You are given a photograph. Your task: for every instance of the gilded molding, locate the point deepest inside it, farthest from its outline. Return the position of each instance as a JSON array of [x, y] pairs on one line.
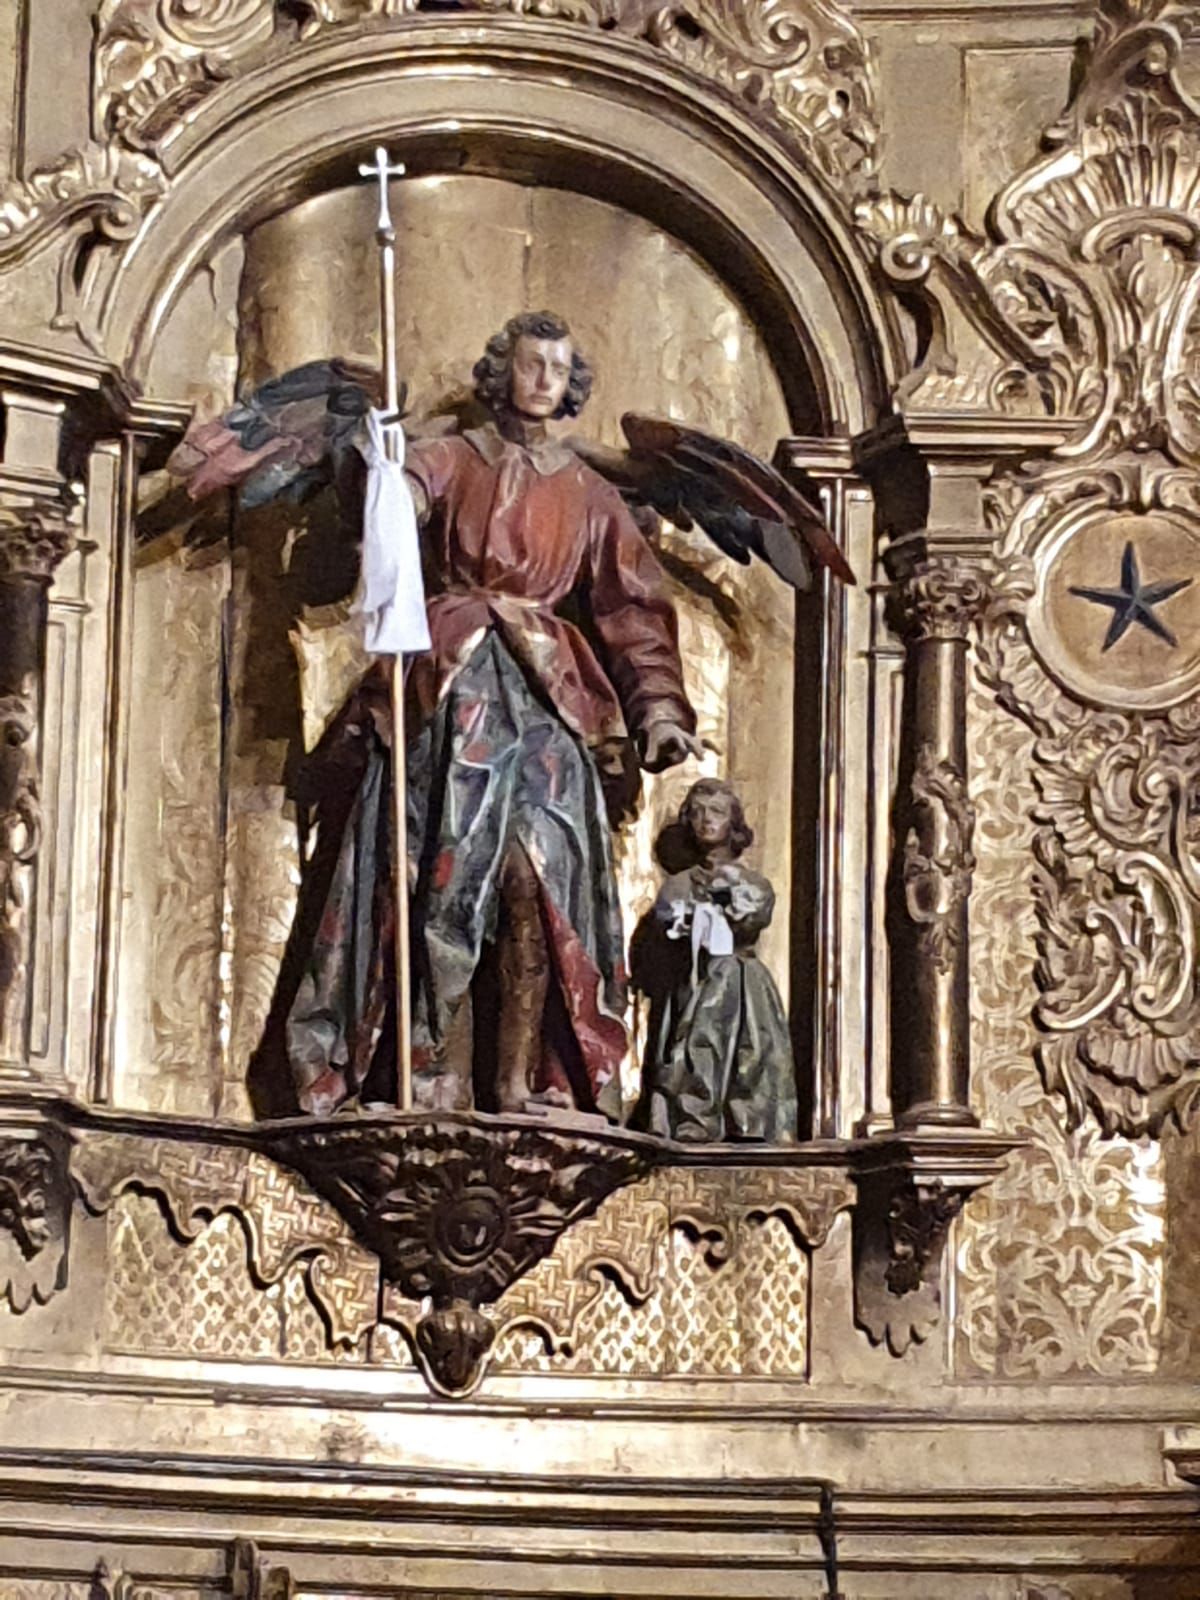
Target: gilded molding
[[253, 1576]]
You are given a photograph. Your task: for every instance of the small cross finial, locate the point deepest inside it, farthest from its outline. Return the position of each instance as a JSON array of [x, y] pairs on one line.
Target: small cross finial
[[381, 169]]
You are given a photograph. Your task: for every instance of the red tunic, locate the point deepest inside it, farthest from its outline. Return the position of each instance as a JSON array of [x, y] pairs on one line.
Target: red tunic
[[512, 537]]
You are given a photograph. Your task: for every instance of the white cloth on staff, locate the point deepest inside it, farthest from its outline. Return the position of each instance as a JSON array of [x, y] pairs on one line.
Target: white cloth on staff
[[392, 596]]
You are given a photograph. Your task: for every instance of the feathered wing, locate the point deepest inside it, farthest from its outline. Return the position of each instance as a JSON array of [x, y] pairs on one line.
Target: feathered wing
[[285, 440], [745, 507], [293, 435]]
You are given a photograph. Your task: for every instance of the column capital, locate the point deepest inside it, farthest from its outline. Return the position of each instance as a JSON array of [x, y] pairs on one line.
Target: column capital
[[936, 597], [36, 533]]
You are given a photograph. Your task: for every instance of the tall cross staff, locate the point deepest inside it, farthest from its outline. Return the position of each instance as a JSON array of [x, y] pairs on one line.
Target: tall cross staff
[[381, 170]]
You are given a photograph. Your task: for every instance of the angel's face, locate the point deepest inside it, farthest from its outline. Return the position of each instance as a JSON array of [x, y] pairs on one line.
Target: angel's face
[[541, 371]]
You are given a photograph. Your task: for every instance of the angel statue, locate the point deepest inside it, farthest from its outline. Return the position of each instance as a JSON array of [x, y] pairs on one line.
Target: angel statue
[[552, 673], [719, 1059]]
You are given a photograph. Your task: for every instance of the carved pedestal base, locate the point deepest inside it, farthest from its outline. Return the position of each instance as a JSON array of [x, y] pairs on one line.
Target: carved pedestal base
[[910, 1189], [458, 1208]]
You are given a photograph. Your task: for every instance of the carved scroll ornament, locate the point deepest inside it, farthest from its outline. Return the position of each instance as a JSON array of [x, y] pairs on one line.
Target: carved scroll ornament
[[101, 186], [457, 1210], [910, 1190], [938, 861], [20, 829], [1093, 640], [802, 62], [1116, 872], [1088, 273]]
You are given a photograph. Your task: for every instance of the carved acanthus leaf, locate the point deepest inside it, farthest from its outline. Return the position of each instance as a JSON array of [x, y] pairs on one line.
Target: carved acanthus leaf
[[909, 1194], [34, 1214], [938, 860], [803, 60], [1116, 870], [20, 838], [156, 58], [34, 538], [938, 598], [803, 63], [1085, 286]]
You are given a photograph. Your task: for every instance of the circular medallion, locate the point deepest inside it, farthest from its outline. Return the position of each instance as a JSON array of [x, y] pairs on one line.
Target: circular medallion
[[1116, 617], [470, 1227]]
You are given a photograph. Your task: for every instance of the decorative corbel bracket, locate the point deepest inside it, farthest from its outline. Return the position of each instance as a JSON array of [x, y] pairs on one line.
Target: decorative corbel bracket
[[253, 1577], [910, 1189], [457, 1208], [35, 1209]]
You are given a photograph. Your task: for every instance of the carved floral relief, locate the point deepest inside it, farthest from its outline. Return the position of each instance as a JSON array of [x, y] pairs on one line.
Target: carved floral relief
[[1060, 1262], [1084, 290], [803, 63]]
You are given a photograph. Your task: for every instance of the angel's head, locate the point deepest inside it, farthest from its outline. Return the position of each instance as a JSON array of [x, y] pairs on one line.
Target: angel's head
[[533, 368], [712, 815]]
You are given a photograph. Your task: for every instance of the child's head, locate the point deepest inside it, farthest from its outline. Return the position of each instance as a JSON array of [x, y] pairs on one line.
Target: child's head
[[712, 815]]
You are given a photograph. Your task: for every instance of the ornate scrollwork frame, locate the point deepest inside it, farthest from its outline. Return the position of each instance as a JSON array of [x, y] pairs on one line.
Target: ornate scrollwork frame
[[1087, 263], [1116, 871], [457, 1208], [802, 63], [1085, 293]]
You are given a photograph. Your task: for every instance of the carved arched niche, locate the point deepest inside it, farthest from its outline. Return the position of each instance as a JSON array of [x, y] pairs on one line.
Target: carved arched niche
[[741, 305], [212, 844], [701, 163]]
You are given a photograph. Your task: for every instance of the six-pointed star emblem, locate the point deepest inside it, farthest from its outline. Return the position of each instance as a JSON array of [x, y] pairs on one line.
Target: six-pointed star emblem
[[1133, 601]]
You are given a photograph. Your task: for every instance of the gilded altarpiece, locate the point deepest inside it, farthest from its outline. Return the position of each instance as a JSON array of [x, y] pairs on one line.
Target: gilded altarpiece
[[945, 1344]]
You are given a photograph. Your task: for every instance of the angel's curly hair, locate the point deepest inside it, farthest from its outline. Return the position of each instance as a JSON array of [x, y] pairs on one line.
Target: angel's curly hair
[[741, 834], [493, 370]]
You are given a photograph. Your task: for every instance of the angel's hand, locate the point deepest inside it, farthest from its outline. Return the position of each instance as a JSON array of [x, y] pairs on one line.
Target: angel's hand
[[666, 744]]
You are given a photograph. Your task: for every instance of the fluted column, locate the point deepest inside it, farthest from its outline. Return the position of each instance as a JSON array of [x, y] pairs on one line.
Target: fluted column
[[35, 534], [935, 601]]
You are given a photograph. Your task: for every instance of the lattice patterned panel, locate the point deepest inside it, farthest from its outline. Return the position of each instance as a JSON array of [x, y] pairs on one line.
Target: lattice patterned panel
[[200, 1299], [706, 1318], [43, 1589], [1061, 1260]]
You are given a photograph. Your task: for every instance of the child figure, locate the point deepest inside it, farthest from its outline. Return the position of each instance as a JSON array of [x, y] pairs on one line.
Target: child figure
[[719, 1060]]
